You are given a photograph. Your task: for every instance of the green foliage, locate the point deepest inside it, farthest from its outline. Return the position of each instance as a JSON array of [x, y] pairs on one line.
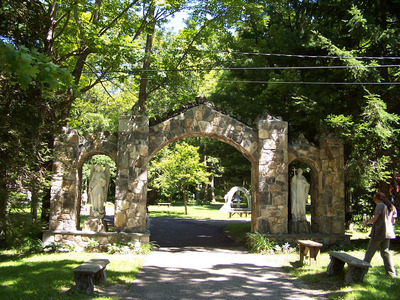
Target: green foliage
[[130, 248], [177, 170], [92, 245], [23, 234], [364, 116], [25, 67], [58, 247], [258, 243]]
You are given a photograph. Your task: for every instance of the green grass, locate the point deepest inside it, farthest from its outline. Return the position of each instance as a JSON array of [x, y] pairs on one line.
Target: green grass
[[50, 276], [194, 212], [376, 284], [238, 231]]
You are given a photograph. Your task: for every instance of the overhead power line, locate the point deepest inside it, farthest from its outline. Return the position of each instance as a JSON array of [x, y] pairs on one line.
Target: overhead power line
[[308, 82], [269, 68], [313, 56]]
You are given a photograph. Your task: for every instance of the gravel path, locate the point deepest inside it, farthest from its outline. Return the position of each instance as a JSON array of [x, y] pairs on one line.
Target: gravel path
[[209, 266]]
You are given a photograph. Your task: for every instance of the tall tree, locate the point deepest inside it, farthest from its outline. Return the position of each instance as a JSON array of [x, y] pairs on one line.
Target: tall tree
[[29, 84], [318, 62], [178, 171]]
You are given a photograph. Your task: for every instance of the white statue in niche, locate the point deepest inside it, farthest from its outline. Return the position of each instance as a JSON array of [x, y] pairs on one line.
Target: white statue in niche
[[98, 187], [299, 194]]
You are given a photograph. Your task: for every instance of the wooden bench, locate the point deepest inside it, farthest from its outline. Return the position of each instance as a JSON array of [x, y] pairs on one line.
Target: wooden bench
[[164, 204], [356, 270], [90, 273], [311, 249], [240, 212]]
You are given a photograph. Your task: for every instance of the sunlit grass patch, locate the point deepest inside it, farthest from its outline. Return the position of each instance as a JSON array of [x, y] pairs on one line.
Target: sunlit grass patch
[[210, 211], [49, 276]]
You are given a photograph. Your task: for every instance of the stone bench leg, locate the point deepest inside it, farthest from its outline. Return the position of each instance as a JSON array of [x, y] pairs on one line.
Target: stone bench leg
[[314, 255], [84, 282], [100, 277], [335, 266], [355, 274], [303, 252]]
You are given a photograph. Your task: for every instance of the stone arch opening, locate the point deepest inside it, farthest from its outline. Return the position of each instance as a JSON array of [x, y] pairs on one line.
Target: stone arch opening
[[311, 175], [224, 145], [83, 169]]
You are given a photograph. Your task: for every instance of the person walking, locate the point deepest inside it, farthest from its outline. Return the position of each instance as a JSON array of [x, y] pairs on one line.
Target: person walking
[[382, 232]]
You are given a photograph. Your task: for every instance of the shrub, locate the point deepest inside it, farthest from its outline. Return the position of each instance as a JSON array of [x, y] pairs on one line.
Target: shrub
[[258, 243], [126, 248], [92, 245], [147, 248], [30, 245], [58, 247]]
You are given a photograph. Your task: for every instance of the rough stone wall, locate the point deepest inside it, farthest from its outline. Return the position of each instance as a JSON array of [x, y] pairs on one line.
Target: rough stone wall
[[331, 210], [204, 121], [270, 177], [79, 239], [71, 151], [327, 182], [63, 189], [131, 183]]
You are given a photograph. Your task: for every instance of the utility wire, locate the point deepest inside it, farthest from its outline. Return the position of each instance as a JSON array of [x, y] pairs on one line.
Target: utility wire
[[313, 56], [268, 68], [308, 82]]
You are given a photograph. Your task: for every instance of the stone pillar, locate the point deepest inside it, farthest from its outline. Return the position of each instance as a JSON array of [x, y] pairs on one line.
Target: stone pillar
[[63, 188], [330, 212], [131, 183], [271, 177]]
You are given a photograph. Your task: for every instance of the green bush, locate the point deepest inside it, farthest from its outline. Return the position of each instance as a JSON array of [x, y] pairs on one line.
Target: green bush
[[92, 245], [258, 243], [126, 248]]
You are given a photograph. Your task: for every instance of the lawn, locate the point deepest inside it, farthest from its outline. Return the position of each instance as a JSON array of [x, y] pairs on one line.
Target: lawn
[[50, 276], [210, 211]]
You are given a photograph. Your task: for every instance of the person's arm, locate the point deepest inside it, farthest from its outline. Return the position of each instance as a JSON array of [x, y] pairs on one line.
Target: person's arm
[[373, 220]]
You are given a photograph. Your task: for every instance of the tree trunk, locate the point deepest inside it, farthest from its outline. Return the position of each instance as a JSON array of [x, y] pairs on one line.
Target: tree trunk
[[185, 199], [143, 96], [34, 205], [3, 215]]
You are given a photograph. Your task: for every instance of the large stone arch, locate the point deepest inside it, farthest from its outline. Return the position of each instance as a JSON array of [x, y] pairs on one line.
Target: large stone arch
[[203, 121], [264, 144]]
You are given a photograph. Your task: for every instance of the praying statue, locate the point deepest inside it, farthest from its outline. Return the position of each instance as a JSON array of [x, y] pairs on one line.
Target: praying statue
[[98, 188], [299, 194]]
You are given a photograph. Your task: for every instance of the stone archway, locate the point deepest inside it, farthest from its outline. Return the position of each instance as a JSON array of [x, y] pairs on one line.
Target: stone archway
[[265, 145]]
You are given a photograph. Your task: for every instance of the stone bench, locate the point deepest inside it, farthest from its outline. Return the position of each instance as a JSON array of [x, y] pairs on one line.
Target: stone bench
[[356, 270], [164, 204], [311, 249], [90, 273], [240, 212]]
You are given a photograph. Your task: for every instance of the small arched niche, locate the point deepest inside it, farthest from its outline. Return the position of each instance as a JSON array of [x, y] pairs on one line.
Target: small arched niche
[[309, 182], [84, 203]]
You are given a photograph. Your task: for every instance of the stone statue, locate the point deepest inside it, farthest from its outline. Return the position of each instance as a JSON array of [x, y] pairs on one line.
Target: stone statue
[[98, 187], [299, 194]]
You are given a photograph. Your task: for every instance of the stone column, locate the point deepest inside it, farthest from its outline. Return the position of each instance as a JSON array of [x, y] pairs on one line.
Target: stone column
[[271, 177], [330, 212], [131, 183], [63, 188]]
